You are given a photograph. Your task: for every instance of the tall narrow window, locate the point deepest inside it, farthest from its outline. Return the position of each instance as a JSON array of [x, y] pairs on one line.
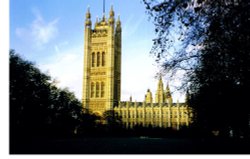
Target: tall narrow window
[[102, 89], [98, 59], [92, 89], [93, 59], [97, 90], [103, 58]]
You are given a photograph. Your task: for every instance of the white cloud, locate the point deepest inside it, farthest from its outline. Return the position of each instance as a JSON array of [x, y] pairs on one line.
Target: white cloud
[[67, 68], [39, 31]]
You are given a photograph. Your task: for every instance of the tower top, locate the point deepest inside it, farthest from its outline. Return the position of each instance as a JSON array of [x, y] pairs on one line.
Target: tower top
[[118, 23], [168, 93], [160, 83], [111, 13], [88, 15], [88, 18]]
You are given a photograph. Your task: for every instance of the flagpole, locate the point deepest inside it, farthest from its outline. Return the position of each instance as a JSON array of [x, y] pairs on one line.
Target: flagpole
[[103, 6]]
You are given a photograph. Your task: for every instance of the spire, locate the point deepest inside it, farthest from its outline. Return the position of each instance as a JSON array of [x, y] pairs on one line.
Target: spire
[[111, 12], [111, 16], [168, 93], [118, 27], [88, 16], [118, 23], [160, 96], [160, 83]]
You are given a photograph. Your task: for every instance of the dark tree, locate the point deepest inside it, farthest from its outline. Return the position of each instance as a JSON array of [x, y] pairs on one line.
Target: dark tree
[[37, 106], [210, 42], [89, 124], [112, 121], [29, 111]]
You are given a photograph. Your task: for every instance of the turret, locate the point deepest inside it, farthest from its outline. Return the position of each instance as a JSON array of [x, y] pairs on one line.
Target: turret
[[87, 50], [118, 24], [168, 96], [88, 19], [111, 16], [160, 97], [148, 97]]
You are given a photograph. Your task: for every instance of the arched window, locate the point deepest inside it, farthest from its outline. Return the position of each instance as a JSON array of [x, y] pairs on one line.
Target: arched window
[[103, 58], [102, 89], [93, 59], [92, 94], [98, 59], [97, 90]]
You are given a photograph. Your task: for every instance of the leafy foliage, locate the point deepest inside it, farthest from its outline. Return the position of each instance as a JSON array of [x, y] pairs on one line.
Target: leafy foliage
[[210, 42]]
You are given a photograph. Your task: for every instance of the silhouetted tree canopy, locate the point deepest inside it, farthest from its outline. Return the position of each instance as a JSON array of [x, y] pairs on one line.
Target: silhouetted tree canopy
[[209, 41], [112, 119], [37, 106]]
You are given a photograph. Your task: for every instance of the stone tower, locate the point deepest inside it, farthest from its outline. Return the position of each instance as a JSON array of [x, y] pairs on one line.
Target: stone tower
[[102, 63]]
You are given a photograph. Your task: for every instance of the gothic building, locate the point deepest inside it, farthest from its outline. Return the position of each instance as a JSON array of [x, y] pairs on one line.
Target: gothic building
[[161, 113], [102, 63], [102, 81]]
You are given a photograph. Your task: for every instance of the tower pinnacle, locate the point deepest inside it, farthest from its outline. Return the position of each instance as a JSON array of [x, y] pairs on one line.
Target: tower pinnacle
[[168, 93], [111, 12], [88, 16], [118, 22], [159, 97], [111, 16]]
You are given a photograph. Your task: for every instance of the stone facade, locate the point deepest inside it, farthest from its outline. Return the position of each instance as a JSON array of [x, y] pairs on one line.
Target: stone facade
[[163, 113], [102, 63], [102, 81]]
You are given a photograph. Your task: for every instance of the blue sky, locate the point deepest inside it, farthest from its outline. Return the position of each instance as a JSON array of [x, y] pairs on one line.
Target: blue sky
[[51, 34]]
